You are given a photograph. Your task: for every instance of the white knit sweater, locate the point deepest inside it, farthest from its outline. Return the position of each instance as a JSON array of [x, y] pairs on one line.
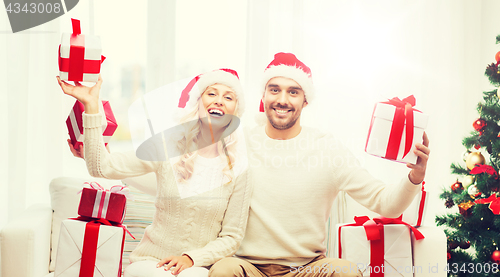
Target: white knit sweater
[[295, 182], [207, 226]]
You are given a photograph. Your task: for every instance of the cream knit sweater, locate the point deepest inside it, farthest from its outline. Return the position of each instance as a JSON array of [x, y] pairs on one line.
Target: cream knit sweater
[[295, 182], [207, 227]]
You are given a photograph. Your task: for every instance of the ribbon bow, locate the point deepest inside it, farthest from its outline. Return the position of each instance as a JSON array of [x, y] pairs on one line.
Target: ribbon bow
[[404, 113], [484, 168], [371, 224], [494, 202], [114, 189]]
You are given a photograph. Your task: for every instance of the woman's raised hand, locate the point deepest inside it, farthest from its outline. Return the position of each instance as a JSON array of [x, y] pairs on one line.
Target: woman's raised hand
[[88, 96]]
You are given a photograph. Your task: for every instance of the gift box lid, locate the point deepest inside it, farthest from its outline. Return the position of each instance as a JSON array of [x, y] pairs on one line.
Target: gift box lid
[[92, 45], [386, 112]]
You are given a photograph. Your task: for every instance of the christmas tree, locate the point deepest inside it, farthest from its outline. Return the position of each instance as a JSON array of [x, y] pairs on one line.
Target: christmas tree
[[477, 225]]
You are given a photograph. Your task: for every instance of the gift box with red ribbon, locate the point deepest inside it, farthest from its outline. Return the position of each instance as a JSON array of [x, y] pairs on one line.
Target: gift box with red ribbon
[[75, 123], [97, 202], [380, 247], [89, 247], [414, 214], [395, 128], [79, 56]]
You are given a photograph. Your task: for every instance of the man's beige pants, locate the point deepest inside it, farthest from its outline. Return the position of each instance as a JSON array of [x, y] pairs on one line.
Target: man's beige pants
[[319, 267]]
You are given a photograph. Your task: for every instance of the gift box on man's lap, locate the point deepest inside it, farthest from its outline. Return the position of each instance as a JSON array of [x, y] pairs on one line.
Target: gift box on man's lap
[[377, 248], [394, 129], [79, 56], [89, 249], [75, 123]]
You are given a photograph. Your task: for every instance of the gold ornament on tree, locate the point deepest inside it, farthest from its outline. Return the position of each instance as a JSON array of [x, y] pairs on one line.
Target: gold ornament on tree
[[473, 159], [467, 181], [465, 208], [498, 92]]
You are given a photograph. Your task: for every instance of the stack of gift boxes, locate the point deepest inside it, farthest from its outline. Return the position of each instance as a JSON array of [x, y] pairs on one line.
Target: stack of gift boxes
[[92, 244], [392, 246]]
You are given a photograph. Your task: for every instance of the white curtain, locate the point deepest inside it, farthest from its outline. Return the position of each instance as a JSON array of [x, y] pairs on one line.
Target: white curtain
[[360, 52]]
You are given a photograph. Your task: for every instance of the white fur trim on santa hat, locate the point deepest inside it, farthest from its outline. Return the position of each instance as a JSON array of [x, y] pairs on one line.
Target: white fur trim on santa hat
[[217, 77], [260, 118], [294, 73]]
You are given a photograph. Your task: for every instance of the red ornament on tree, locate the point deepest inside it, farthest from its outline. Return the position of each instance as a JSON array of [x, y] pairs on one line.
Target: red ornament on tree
[[453, 244], [479, 125], [497, 57], [448, 255], [495, 256], [457, 187], [464, 244]]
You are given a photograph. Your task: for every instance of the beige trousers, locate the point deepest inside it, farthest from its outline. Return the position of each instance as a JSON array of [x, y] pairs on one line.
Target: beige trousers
[[319, 267]]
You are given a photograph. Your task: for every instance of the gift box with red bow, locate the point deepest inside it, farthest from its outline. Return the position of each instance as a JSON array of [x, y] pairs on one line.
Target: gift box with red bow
[[395, 128], [380, 247], [75, 123], [414, 214], [79, 56], [97, 202], [90, 248]]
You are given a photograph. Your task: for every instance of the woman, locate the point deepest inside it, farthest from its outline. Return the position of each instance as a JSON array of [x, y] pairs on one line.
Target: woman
[[188, 234]]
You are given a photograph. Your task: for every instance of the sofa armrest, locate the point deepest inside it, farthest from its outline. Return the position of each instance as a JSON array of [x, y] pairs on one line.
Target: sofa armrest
[[25, 243]]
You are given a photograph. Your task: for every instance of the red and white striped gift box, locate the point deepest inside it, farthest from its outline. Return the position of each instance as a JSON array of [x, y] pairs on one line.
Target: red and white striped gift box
[[75, 123], [97, 202]]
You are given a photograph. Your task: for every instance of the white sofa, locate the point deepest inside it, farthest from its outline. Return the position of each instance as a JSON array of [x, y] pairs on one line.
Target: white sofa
[[28, 243]]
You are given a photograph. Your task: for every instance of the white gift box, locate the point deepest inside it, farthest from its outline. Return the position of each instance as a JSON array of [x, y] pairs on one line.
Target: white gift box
[[414, 214], [79, 56], [69, 252], [430, 263], [380, 131], [397, 249]]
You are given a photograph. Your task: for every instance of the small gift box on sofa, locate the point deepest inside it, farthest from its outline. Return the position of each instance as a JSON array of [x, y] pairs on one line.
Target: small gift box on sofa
[[89, 248], [75, 123], [379, 246], [79, 56], [97, 202], [394, 129]]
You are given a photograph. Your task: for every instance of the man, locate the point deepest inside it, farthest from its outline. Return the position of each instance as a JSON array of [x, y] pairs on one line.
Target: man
[[297, 172]]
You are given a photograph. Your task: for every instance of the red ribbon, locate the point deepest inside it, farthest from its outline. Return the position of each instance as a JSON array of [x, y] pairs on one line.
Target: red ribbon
[[482, 168], [494, 202], [75, 23], [374, 229], [76, 65], [421, 206], [403, 113], [90, 240]]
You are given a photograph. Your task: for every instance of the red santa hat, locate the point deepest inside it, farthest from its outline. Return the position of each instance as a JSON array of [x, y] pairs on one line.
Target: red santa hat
[[198, 85], [288, 66]]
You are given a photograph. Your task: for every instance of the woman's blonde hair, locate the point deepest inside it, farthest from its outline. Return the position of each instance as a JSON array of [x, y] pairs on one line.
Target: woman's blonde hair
[[188, 145]]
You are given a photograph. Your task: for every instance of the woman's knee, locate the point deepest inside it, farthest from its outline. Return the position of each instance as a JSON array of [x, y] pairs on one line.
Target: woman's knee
[[194, 272], [140, 269]]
